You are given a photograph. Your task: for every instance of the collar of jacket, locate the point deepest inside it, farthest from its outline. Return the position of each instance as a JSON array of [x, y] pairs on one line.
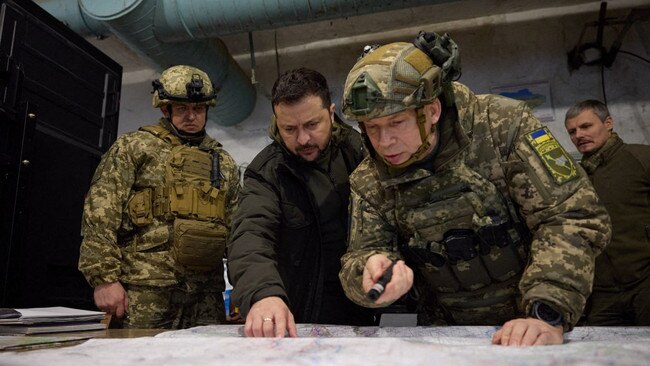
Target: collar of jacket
[[202, 139], [193, 139], [592, 162], [454, 138]]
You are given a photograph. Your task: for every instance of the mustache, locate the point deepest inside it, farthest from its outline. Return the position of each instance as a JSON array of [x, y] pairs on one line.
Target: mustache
[[305, 147]]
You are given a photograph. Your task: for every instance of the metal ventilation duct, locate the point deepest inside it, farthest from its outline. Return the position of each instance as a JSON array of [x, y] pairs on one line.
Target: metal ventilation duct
[[184, 32]]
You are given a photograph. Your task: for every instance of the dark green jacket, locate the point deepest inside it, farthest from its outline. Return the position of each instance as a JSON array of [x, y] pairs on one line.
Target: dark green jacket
[[620, 173], [275, 247]]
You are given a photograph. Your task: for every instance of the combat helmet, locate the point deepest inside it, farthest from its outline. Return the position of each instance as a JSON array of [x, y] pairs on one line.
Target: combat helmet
[[183, 84], [400, 76]]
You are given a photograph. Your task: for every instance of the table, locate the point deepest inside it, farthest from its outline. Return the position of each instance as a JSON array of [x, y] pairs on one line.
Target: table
[[345, 345]]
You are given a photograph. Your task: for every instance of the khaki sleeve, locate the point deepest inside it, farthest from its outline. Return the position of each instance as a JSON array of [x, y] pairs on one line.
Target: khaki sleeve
[[231, 174], [99, 255], [569, 225], [371, 232]]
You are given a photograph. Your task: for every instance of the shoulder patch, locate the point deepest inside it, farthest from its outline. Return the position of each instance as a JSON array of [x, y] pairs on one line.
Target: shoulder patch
[[555, 158]]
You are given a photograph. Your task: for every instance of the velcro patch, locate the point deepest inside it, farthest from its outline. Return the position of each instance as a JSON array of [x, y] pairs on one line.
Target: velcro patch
[[419, 60], [556, 160]]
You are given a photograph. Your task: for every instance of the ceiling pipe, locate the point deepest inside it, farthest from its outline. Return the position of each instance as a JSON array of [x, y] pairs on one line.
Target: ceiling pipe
[[210, 18], [133, 21], [71, 15], [169, 32]]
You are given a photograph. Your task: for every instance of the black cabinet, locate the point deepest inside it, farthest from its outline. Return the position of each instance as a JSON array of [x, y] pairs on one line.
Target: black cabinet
[[59, 103]]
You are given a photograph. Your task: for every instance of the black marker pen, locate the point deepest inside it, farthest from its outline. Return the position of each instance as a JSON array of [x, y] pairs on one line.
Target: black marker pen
[[379, 287]]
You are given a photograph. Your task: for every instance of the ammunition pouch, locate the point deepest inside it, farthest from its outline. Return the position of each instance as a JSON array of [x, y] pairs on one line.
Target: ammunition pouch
[[463, 258], [503, 253], [198, 245], [191, 190], [139, 208], [460, 245], [466, 260], [196, 201]]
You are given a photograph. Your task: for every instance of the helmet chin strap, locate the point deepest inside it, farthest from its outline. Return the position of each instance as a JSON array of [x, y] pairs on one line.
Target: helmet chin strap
[[194, 138], [423, 149]]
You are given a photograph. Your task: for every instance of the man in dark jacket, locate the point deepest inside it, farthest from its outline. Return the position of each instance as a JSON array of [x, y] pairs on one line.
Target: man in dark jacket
[[291, 227], [620, 173]]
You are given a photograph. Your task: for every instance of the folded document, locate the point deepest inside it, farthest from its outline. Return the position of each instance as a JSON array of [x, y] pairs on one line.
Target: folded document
[[52, 319]]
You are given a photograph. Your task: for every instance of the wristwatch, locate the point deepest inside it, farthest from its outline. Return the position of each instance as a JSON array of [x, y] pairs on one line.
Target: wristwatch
[[547, 313]]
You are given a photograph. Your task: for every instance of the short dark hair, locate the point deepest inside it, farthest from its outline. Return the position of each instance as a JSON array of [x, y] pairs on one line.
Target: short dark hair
[[293, 85], [598, 107]]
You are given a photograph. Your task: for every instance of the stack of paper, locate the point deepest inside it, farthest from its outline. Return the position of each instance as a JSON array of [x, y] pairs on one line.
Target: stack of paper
[[22, 343], [53, 319]]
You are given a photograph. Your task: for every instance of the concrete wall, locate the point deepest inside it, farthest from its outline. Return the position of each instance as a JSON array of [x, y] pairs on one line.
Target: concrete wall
[[523, 48]]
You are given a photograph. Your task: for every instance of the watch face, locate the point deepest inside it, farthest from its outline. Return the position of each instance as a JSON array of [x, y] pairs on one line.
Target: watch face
[[546, 313]]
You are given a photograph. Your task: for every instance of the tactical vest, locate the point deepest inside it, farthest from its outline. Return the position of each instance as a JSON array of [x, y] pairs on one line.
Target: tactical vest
[[464, 243], [191, 198]]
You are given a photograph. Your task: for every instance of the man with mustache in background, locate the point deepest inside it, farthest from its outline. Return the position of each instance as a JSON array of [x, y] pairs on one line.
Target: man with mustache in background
[[620, 172]]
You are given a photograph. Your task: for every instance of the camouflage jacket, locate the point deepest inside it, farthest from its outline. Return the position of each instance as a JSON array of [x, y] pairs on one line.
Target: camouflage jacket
[[113, 248], [552, 196]]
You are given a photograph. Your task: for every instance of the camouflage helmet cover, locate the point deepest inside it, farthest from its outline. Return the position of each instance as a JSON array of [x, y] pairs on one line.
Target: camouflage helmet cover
[[183, 84], [400, 75]]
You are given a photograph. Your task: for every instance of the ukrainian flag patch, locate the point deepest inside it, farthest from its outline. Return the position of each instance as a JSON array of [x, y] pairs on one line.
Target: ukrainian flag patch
[[556, 160]]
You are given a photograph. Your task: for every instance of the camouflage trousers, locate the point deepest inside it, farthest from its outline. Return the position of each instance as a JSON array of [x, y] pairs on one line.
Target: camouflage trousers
[[620, 307], [172, 307]]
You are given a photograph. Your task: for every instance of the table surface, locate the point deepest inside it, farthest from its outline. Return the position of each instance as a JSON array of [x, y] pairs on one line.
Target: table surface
[[118, 333], [341, 345]]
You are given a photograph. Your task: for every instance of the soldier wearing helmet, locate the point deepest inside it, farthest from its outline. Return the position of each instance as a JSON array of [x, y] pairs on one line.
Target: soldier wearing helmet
[[158, 213], [485, 217], [183, 94]]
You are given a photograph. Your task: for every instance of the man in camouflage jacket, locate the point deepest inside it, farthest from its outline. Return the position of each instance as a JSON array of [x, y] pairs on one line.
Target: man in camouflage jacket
[[484, 216], [158, 213]]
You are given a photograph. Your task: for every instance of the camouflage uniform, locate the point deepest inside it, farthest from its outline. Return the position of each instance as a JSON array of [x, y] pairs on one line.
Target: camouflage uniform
[[138, 250], [490, 225]]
